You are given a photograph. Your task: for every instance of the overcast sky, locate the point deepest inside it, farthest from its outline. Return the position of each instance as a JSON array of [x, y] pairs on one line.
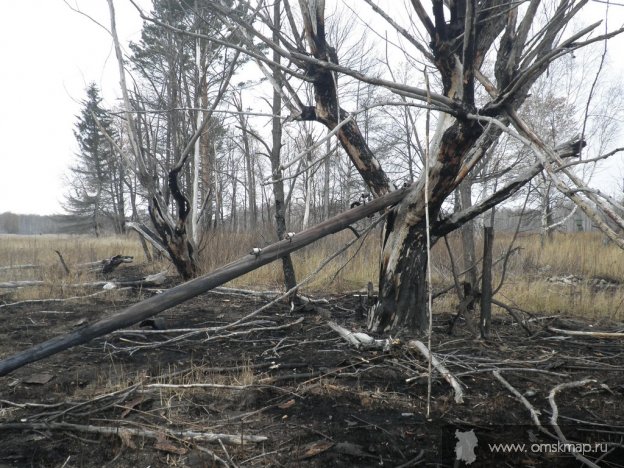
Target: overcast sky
[[49, 55]]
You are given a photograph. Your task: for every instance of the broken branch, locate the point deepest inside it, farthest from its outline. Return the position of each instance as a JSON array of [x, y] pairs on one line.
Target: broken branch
[[444, 372]]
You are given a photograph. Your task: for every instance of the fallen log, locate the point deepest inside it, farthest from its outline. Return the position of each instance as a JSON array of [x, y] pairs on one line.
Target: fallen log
[[211, 437], [174, 296], [157, 279], [20, 284], [594, 334], [20, 267]]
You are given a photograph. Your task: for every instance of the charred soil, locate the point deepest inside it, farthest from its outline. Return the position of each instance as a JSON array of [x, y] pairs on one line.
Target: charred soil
[[286, 378]]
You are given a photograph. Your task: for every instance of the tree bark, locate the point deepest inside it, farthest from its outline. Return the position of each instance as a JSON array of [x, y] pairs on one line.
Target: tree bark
[[276, 133], [402, 283], [486, 282]]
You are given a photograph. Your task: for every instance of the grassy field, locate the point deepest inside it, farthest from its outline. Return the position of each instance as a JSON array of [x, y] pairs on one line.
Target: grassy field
[[532, 282]]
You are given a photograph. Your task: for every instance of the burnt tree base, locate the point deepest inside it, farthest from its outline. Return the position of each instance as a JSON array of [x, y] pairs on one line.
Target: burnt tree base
[[402, 303]]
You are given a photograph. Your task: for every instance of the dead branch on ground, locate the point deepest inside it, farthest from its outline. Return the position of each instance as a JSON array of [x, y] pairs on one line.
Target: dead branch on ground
[[72, 298], [555, 415], [453, 382], [534, 413], [606, 335], [360, 339], [140, 346], [211, 437]]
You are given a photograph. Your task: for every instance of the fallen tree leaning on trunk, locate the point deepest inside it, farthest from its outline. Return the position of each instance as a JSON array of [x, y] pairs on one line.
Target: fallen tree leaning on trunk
[[174, 296]]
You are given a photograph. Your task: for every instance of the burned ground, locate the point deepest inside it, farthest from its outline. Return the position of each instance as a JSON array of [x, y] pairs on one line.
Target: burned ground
[[286, 376]]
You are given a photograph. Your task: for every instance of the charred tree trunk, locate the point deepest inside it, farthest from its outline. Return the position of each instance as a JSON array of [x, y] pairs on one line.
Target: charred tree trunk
[[402, 280], [175, 238], [327, 109], [402, 283], [486, 282]]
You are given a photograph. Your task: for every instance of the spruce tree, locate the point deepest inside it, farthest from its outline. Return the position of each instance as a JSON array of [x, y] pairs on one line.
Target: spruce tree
[[91, 197]]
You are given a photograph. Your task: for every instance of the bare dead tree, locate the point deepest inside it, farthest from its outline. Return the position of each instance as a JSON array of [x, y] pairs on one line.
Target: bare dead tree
[[461, 35], [171, 225]]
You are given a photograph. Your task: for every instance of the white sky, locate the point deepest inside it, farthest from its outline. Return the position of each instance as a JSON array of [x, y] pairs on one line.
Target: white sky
[[49, 54]]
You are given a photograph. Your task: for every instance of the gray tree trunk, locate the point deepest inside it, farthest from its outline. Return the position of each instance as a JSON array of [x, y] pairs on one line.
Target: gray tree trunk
[[290, 280], [467, 234]]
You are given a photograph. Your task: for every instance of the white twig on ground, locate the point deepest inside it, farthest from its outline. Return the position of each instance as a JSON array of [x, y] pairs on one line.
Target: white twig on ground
[[586, 333], [359, 339], [444, 372], [534, 413], [555, 415]]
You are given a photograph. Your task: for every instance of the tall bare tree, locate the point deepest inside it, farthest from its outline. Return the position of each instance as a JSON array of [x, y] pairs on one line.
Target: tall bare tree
[[480, 60], [460, 36]]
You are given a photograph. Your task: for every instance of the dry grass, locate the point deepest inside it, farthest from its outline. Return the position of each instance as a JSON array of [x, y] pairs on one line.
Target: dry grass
[[41, 251], [350, 270], [581, 254], [526, 286]]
